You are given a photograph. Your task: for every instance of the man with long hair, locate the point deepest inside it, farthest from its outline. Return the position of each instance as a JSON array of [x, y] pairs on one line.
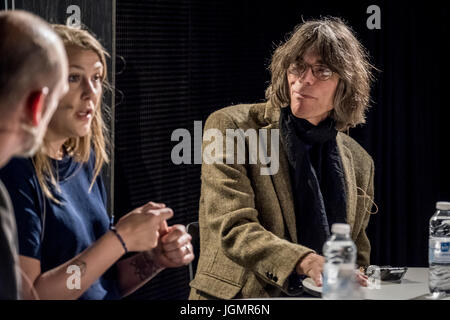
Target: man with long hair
[[260, 234]]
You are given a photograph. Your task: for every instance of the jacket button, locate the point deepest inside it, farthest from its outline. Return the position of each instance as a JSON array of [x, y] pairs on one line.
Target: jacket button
[[268, 274], [275, 278]]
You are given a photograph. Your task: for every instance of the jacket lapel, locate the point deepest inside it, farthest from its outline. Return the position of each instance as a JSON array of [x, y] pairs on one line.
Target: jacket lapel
[[281, 180], [350, 179], [282, 183]]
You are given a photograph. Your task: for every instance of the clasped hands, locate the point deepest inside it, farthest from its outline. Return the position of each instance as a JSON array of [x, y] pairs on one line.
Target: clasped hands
[[312, 266], [145, 229]]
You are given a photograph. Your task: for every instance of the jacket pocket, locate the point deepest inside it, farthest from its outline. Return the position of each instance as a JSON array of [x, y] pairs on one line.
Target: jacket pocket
[[215, 286]]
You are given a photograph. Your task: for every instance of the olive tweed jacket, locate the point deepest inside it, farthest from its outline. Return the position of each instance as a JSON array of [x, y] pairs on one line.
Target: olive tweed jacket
[[248, 240]]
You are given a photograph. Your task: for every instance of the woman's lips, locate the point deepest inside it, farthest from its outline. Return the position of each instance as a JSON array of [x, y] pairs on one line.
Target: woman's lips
[[84, 115]]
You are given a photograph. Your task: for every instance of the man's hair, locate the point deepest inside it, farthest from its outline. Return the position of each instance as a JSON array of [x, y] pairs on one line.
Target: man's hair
[[335, 43], [97, 138], [27, 59]]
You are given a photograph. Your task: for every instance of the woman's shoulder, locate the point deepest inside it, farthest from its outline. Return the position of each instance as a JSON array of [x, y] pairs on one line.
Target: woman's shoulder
[[88, 167], [73, 164]]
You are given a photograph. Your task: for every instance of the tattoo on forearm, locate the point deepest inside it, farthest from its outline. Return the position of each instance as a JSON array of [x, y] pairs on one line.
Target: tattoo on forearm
[[144, 266], [82, 265]]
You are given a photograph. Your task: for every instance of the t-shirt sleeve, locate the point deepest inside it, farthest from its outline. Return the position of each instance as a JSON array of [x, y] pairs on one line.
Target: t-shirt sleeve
[[19, 178]]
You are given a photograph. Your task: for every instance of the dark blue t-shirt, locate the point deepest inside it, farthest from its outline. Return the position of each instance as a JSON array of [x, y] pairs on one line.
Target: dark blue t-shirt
[[70, 227]]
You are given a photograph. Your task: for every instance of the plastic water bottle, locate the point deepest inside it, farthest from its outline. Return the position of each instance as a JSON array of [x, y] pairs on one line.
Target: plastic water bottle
[[439, 250], [339, 278]]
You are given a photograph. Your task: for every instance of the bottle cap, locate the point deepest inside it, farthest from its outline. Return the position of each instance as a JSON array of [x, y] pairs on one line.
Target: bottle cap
[[443, 205], [341, 228]]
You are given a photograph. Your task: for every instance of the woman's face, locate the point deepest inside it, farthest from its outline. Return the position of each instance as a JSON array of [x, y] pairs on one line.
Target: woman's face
[[75, 111]]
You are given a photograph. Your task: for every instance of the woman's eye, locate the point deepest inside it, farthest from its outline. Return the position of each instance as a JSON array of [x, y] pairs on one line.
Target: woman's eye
[[74, 78], [97, 77]]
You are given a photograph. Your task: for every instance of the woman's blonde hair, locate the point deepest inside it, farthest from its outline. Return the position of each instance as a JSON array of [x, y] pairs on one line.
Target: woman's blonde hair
[[334, 41], [97, 138]]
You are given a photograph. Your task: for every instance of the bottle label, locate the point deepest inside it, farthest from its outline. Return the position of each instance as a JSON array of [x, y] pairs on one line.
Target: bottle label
[[439, 251]]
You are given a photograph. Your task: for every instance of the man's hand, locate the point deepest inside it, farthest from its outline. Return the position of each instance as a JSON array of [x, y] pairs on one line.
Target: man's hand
[[174, 247], [361, 278], [312, 266]]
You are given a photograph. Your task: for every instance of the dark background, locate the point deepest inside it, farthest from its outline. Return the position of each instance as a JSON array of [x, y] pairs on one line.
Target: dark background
[[179, 60]]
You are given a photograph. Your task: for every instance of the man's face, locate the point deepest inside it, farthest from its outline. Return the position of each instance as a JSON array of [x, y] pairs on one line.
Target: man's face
[[35, 135], [311, 98], [73, 118]]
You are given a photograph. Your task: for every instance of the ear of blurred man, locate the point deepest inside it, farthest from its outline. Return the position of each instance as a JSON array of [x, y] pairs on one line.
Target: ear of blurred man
[[35, 105]]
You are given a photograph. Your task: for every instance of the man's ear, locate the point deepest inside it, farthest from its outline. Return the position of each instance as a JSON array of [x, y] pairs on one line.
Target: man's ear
[[35, 103]]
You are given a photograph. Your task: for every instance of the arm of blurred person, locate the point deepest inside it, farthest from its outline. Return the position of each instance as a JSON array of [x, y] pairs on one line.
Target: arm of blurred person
[[174, 250], [140, 232]]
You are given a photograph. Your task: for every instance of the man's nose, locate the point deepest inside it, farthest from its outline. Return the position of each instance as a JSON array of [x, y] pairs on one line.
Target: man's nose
[[307, 77]]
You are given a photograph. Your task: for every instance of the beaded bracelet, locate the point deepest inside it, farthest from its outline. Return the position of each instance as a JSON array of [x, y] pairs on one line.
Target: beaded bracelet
[[113, 229]]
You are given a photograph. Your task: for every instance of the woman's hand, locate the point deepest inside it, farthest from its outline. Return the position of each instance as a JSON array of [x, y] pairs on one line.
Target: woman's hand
[[140, 229]]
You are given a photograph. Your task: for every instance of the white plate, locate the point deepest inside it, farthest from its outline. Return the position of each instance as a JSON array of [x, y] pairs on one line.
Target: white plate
[[311, 287]]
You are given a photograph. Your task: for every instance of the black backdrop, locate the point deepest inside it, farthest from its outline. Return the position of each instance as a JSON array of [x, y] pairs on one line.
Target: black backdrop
[[183, 59]]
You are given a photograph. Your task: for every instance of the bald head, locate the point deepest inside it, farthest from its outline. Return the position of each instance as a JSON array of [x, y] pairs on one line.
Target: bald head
[[33, 78], [32, 54]]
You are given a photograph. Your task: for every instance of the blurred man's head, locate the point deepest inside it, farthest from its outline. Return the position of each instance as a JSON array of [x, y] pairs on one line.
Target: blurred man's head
[[33, 78]]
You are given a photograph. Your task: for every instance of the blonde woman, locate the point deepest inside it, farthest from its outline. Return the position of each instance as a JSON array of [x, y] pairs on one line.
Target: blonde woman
[[69, 248]]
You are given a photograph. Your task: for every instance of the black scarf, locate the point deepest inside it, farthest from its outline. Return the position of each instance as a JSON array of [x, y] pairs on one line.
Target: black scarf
[[317, 177]]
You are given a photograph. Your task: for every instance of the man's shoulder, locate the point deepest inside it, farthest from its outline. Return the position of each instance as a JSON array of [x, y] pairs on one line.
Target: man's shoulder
[[359, 154], [18, 167], [241, 115], [19, 173], [8, 248], [243, 108], [4, 199]]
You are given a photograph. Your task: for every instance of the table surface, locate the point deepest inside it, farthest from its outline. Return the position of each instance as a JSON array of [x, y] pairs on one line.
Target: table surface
[[413, 286]]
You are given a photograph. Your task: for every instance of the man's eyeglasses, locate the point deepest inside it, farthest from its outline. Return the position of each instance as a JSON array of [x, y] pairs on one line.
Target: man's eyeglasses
[[319, 71]]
